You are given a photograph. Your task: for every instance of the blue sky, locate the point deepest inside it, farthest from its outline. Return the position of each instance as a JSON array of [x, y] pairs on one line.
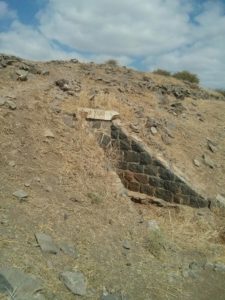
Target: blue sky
[[145, 34]]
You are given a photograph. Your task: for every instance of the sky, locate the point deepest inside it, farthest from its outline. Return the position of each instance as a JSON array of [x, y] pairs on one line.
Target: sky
[[172, 35]]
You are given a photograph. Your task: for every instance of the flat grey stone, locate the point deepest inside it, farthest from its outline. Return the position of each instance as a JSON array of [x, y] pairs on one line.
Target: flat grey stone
[[46, 243], [75, 282], [20, 194], [68, 249], [20, 286]]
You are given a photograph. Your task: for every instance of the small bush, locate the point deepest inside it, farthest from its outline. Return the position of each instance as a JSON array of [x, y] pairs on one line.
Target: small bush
[[162, 72], [221, 91], [112, 62], [187, 76]]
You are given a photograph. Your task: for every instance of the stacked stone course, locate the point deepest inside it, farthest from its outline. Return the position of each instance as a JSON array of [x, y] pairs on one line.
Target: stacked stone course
[[142, 172]]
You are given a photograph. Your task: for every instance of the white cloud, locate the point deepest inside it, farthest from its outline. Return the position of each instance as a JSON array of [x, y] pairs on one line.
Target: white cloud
[[5, 12], [173, 35]]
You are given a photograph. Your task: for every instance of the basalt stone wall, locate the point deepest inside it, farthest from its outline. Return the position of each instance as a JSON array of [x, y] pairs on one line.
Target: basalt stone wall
[[141, 171]]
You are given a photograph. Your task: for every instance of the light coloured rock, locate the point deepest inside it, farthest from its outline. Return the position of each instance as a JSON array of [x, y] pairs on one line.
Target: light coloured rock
[[75, 282], [46, 243], [20, 194], [153, 130], [220, 201], [196, 163], [12, 163], [49, 134], [208, 161], [98, 114]]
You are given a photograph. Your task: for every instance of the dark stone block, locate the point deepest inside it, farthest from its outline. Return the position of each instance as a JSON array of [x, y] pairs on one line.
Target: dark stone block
[[114, 134], [145, 158], [135, 167], [134, 186], [147, 189], [96, 124], [198, 201], [171, 186], [122, 136], [151, 170], [186, 190], [136, 147], [166, 174], [142, 178], [131, 156], [182, 199], [105, 141], [125, 145], [129, 176], [157, 163], [122, 165], [155, 181], [164, 194]]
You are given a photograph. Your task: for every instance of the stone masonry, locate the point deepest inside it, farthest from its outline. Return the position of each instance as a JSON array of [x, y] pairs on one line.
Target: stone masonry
[[141, 171]]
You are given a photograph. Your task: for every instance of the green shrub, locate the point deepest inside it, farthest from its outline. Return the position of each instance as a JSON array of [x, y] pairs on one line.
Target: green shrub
[[112, 62], [162, 72], [187, 76]]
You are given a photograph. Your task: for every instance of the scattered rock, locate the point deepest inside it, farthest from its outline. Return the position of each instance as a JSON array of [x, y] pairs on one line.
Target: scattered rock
[[20, 285], [10, 104], [153, 130], [220, 201], [63, 84], [208, 161], [49, 134], [22, 75], [20, 194], [166, 140], [75, 282], [45, 72], [46, 243], [135, 128], [12, 163], [196, 163], [126, 245], [2, 101], [68, 249], [211, 146]]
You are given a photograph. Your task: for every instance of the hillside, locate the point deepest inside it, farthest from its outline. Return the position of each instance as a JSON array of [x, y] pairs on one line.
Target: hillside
[[56, 180]]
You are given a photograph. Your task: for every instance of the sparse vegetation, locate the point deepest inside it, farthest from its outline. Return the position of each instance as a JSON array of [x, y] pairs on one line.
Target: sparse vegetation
[[162, 72], [221, 91], [112, 62], [187, 76]]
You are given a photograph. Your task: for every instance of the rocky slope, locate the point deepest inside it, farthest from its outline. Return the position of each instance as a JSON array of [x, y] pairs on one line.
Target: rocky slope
[[65, 231]]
